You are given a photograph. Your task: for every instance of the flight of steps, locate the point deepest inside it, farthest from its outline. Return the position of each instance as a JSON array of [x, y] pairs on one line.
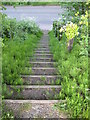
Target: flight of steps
[[39, 92]]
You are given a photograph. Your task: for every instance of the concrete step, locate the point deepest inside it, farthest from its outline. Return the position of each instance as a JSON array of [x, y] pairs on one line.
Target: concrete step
[[43, 49], [42, 52], [34, 92], [38, 46], [43, 71], [41, 59], [43, 44], [43, 55], [39, 109], [41, 79], [42, 64]]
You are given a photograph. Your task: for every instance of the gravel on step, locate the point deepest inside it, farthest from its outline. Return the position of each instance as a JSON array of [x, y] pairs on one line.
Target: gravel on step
[[35, 108]]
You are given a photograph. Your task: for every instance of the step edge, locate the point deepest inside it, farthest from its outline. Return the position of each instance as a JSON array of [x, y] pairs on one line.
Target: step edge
[[43, 62], [34, 101], [35, 86], [42, 68], [39, 76]]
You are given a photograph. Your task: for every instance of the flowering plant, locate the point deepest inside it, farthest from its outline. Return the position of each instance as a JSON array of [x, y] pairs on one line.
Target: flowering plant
[[84, 19], [71, 30]]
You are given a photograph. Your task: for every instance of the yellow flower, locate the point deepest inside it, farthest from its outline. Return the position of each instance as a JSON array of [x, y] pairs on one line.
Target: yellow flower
[[83, 17], [76, 14], [86, 13], [80, 22]]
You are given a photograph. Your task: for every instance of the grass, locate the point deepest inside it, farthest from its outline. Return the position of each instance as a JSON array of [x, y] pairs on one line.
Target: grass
[[31, 3]]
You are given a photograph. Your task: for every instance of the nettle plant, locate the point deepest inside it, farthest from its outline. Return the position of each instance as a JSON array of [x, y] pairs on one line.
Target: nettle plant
[[71, 30]]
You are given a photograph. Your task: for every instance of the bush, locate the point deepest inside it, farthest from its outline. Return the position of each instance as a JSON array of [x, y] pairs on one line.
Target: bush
[[73, 67], [74, 71], [19, 40], [12, 29]]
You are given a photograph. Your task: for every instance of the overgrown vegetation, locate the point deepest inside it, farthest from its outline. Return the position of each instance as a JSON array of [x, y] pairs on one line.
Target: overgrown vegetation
[[73, 64], [30, 3], [19, 39]]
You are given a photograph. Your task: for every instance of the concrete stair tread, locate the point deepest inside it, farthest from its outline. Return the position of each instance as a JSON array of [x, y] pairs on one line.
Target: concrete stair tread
[[34, 101], [33, 92], [43, 71], [35, 86], [44, 68], [40, 52], [40, 75], [43, 54], [41, 79], [35, 108], [41, 59], [42, 64], [43, 48]]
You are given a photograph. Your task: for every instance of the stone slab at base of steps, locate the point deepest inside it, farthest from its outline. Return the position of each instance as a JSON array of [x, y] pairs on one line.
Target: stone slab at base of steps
[[33, 92], [41, 79], [35, 109]]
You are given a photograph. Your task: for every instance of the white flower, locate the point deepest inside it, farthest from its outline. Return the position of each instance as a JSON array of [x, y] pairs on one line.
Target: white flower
[[77, 33], [60, 18], [64, 18], [12, 116], [8, 114], [68, 22], [61, 29], [64, 27]]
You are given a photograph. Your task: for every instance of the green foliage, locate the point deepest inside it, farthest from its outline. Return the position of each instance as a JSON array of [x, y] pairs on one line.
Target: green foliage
[[6, 113], [76, 6], [73, 67], [31, 3], [14, 30], [19, 40], [15, 55]]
